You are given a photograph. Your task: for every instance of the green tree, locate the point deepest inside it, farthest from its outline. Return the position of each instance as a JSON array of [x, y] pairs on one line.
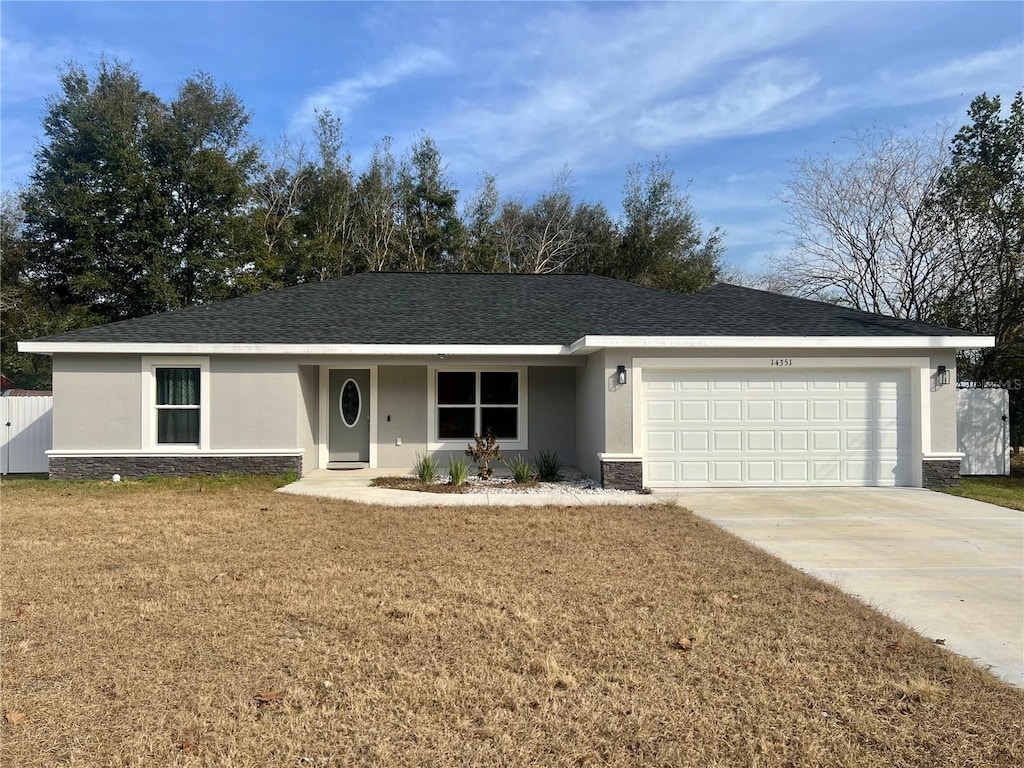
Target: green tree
[[25, 312], [327, 218], [132, 204], [662, 242], [94, 220], [432, 231], [981, 197], [480, 250]]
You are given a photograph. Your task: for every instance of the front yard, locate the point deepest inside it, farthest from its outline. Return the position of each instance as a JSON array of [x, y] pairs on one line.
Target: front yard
[[1004, 491], [209, 623]]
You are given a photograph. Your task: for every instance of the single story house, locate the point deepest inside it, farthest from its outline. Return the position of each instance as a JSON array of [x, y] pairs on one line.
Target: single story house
[[638, 387]]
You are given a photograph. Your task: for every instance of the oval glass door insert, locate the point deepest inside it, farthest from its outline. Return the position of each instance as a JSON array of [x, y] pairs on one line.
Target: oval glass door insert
[[350, 403]]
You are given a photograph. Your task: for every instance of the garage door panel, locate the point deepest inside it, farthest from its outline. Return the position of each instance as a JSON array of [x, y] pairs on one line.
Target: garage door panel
[[761, 440], [793, 410], [694, 471], [662, 441], [858, 440], [697, 410], [794, 471], [661, 471], [693, 441], [728, 440], [761, 472], [661, 410], [827, 471], [728, 471], [826, 410], [727, 410], [859, 471], [826, 440], [760, 410], [779, 427], [792, 440], [856, 410]]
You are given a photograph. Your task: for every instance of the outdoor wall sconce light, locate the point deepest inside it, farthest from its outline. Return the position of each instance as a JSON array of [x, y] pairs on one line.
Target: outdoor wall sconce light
[[942, 375], [620, 374]]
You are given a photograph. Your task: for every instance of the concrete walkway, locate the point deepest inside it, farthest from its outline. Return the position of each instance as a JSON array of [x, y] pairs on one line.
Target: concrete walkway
[[952, 568]]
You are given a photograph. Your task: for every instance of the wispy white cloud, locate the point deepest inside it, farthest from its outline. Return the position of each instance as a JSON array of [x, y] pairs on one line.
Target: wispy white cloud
[[588, 87], [345, 95], [29, 69], [585, 87], [759, 99]]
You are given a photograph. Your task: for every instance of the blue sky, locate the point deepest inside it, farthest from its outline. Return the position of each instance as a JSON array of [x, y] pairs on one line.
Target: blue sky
[[728, 93]]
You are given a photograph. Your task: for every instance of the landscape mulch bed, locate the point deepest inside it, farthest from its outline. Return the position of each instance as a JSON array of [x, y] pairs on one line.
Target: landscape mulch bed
[[213, 623]]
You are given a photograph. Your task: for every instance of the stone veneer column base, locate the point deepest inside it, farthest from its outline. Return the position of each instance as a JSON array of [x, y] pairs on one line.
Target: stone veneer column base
[[102, 467], [940, 473], [622, 474]]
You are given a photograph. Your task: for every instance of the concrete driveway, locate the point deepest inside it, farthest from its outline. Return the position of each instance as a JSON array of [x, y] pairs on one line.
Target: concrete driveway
[[951, 568]]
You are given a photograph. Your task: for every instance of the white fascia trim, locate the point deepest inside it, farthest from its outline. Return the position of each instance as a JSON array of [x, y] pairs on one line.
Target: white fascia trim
[[620, 457], [587, 344], [50, 347], [942, 456], [181, 452], [772, 363]]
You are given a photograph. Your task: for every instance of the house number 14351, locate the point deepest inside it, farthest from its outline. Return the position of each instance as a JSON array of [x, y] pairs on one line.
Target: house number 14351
[[782, 361]]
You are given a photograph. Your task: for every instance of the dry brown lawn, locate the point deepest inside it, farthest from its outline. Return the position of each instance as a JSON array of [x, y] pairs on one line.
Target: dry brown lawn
[[215, 623]]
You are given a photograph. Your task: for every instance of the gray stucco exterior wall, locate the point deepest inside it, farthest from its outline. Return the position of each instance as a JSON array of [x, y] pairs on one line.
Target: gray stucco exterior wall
[[552, 412], [252, 403], [943, 405], [307, 414], [97, 403], [401, 413], [591, 389]]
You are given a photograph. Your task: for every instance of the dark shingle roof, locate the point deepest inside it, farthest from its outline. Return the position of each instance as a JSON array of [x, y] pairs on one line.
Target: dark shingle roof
[[452, 308]]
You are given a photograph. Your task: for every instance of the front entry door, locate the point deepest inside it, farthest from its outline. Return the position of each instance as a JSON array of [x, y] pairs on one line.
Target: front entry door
[[348, 421]]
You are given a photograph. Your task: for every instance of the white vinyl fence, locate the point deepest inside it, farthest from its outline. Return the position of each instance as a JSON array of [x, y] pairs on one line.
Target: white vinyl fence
[[27, 424], [983, 431]]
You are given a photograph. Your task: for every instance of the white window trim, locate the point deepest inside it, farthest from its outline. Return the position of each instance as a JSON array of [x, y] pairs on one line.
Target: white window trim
[[434, 443], [149, 409]]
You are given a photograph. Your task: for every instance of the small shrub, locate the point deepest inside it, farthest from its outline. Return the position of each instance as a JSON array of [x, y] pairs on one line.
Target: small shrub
[[549, 466], [484, 450], [458, 470], [522, 472], [425, 467]]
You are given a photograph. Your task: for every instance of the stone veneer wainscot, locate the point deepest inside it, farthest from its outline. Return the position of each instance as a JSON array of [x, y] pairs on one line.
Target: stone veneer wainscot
[[102, 467]]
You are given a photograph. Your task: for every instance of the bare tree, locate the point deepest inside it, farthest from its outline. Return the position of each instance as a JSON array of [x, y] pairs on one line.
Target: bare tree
[[866, 229], [277, 192], [327, 223], [377, 207], [550, 238]]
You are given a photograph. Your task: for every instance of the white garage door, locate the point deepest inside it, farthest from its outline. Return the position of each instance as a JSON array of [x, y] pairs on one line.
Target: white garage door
[[760, 428]]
